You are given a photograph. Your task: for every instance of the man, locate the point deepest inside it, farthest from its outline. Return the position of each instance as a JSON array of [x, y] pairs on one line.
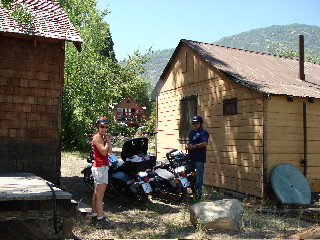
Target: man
[[198, 141]]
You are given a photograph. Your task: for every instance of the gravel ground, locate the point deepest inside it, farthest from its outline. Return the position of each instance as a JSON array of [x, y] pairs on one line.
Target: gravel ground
[[159, 219]]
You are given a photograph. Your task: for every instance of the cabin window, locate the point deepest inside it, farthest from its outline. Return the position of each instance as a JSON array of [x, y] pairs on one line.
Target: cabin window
[[188, 109], [230, 106]]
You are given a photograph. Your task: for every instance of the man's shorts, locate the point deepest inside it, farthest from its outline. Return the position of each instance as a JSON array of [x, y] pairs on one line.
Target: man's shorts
[[100, 174]]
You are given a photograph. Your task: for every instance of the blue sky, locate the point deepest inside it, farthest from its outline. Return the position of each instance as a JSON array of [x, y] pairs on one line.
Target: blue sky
[[160, 24]]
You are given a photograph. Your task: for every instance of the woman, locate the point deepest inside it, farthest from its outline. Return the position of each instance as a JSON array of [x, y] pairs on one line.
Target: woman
[[101, 145]]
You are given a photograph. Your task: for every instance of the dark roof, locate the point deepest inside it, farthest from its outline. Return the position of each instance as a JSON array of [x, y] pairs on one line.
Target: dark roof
[[126, 98], [265, 73], [50, 21]]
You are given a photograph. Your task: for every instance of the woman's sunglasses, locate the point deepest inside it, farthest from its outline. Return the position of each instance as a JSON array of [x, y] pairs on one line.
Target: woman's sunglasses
[[106, 127]]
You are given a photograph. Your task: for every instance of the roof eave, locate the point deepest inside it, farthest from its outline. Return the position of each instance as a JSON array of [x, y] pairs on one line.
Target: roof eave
[[77, 44], [174, 54]]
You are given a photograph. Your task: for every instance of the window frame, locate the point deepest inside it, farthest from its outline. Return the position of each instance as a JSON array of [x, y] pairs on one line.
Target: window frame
[[188, 109], [230, 102]]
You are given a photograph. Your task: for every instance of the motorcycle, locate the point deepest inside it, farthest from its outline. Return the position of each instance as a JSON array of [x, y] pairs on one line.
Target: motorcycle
[[128, 177], [174, 176]]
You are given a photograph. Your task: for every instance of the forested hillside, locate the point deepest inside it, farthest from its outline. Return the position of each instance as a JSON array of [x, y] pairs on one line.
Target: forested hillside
[[259, 40], [158, 61]]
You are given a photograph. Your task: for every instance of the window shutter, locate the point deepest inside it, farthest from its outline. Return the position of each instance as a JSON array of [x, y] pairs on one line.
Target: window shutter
[[188, 109]]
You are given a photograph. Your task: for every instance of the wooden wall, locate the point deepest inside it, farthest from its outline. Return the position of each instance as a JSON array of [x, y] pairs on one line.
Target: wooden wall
[[31, 77], [235, 150], [284, 136]]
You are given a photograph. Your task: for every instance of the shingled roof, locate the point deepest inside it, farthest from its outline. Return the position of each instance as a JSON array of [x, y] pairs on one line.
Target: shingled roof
[[50, 21], [265, 73]]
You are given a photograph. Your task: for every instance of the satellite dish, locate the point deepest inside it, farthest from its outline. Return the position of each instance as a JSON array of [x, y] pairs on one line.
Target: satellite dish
[[290, 185]]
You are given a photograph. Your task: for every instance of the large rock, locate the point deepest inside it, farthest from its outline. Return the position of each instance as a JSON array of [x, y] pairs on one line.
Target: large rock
[[226, 214]]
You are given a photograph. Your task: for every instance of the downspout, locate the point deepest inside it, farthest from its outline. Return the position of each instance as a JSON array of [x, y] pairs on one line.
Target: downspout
[[304, 162]]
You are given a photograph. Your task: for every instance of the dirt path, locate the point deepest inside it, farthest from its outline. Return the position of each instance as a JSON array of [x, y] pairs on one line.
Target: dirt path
[[312, 232]]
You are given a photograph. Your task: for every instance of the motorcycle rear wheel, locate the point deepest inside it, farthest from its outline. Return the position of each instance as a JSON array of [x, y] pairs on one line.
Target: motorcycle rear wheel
[[142, 197], [178, 194], [88, 180]]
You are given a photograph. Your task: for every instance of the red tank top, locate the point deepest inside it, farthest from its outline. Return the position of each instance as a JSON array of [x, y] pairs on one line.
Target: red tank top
[[99, 159]]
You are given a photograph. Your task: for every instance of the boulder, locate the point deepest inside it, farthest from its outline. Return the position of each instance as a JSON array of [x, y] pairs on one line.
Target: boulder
[[226, 214]]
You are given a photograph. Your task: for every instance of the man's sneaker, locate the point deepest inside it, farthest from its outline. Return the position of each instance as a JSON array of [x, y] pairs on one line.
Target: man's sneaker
[[104, 224], [93, 221]]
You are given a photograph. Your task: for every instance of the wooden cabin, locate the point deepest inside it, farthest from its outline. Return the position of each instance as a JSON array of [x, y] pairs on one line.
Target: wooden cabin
[[31, 80], [257, 110], [130, 112]]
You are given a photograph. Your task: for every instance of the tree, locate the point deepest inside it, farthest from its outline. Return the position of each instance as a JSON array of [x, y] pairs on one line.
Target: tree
[[94, 79], [20, 13], [282, 49]]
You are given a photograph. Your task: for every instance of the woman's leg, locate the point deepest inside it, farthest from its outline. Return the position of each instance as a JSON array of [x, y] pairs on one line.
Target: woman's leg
[[100, 175], [97, 199]]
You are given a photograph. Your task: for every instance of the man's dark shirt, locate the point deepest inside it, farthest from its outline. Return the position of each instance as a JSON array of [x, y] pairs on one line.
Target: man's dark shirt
[[196, 137]]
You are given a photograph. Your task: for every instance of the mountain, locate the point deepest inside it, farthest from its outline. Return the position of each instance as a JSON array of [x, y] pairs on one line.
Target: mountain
[[157, 63], [258, 40]]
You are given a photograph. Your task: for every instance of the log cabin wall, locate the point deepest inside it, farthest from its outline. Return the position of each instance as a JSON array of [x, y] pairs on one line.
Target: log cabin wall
[[31, 77], [235, 150], [284, 136]]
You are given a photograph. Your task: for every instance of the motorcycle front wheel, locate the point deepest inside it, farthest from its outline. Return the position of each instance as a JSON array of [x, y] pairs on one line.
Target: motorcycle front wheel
[[178, 194], [88, 180]]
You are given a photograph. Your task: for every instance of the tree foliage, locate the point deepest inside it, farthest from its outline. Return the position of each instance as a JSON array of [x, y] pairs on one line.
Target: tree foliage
[[282, 49], [20, 13], [94, 79]]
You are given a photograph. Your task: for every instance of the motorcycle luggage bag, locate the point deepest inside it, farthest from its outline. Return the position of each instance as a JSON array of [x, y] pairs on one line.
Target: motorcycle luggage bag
[[139, 147]]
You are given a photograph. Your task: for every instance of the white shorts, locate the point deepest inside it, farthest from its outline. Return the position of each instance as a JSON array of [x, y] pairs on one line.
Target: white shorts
[[100, 174]]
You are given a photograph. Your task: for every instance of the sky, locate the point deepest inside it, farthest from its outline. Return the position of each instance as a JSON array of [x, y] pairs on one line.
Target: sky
[[160, 24]]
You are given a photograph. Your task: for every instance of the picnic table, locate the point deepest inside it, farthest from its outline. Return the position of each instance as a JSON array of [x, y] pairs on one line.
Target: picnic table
[[25, 196]]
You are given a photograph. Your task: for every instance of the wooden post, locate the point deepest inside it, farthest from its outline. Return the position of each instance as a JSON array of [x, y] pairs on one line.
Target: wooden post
[[67, 225]]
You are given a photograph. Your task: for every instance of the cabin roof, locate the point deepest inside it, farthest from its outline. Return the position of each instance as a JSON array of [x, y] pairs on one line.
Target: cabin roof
[[50, 21], [266, 73], [128, 98]]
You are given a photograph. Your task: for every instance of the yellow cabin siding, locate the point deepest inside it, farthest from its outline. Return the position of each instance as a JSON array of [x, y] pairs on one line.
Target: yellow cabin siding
[[244, 148], [235, 150], [284, 136]]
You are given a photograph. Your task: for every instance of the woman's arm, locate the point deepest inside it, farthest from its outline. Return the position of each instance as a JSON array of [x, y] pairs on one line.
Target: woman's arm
[[108, 135], [104, 146]]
